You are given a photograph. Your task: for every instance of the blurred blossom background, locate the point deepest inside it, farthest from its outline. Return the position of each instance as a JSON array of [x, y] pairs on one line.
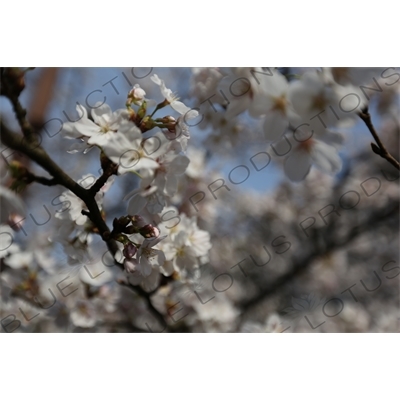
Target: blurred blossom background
[[317, 254]]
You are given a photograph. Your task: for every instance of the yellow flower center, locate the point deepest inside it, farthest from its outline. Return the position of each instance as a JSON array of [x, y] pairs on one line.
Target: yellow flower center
[[280, 104]]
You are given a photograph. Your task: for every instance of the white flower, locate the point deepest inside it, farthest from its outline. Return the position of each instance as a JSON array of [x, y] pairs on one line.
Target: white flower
[[239, 89], [145, 268], [182, 255], [218, 315], [196, 166], [105, 124], [131, 152], [148, 195], [205, 82], [149, 283], [83, 314], [96, 273], [173, 100], [185, 234], [312, 96], [273, 102], [272, 324], [319, 150], [74, 240], [76, 205], [356, 76], [172, 166], [181, 135], [153, 189], [226, 131], [199, 240], [19, 260], [148, 257]]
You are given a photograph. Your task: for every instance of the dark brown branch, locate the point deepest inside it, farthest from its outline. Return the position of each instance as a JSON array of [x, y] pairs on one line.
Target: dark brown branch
[[109, 169], [300, 265], [36, 153], [39, 155], [40, 179], [379, 148], [138, 290]]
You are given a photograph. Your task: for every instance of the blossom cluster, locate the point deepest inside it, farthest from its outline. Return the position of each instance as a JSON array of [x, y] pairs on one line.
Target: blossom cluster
[[152, 148], [305, 113]]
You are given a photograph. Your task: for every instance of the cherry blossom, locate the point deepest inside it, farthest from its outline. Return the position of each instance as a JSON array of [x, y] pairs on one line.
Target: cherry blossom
[[131, 152], [76, 205], [173, 100], [272, 100], [105, 123], [319, 150]]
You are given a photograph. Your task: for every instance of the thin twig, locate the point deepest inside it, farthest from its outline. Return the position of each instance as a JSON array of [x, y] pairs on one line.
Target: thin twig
[[301, 265], [40, 179], [109, 169], [379, 148], [146, 296]]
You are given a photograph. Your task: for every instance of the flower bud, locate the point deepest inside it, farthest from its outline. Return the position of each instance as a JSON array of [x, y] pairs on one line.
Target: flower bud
[[149, 231], [168, 122], [121, 223], [138, 221], [136, 95], [130, 230], [129, 250], [168, 119]]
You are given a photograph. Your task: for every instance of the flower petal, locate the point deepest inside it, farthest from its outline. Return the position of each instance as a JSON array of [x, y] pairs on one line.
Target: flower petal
[[326, 157], [101, 113], [275, 125], [145, 266], [136, 204], [297, 165]]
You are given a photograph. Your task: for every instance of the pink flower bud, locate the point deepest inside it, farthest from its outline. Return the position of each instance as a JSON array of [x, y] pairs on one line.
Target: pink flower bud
[[129, 250], [150, 231], [137, 94]]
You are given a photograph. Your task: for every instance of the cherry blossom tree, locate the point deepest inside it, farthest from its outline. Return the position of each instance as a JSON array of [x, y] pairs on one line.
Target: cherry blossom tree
[[244, 200]]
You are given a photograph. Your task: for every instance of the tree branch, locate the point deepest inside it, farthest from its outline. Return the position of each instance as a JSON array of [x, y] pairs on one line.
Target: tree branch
[[379, 148], [40, 179], [39, 155], [139, 291], [300, 265], [109, 168]]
